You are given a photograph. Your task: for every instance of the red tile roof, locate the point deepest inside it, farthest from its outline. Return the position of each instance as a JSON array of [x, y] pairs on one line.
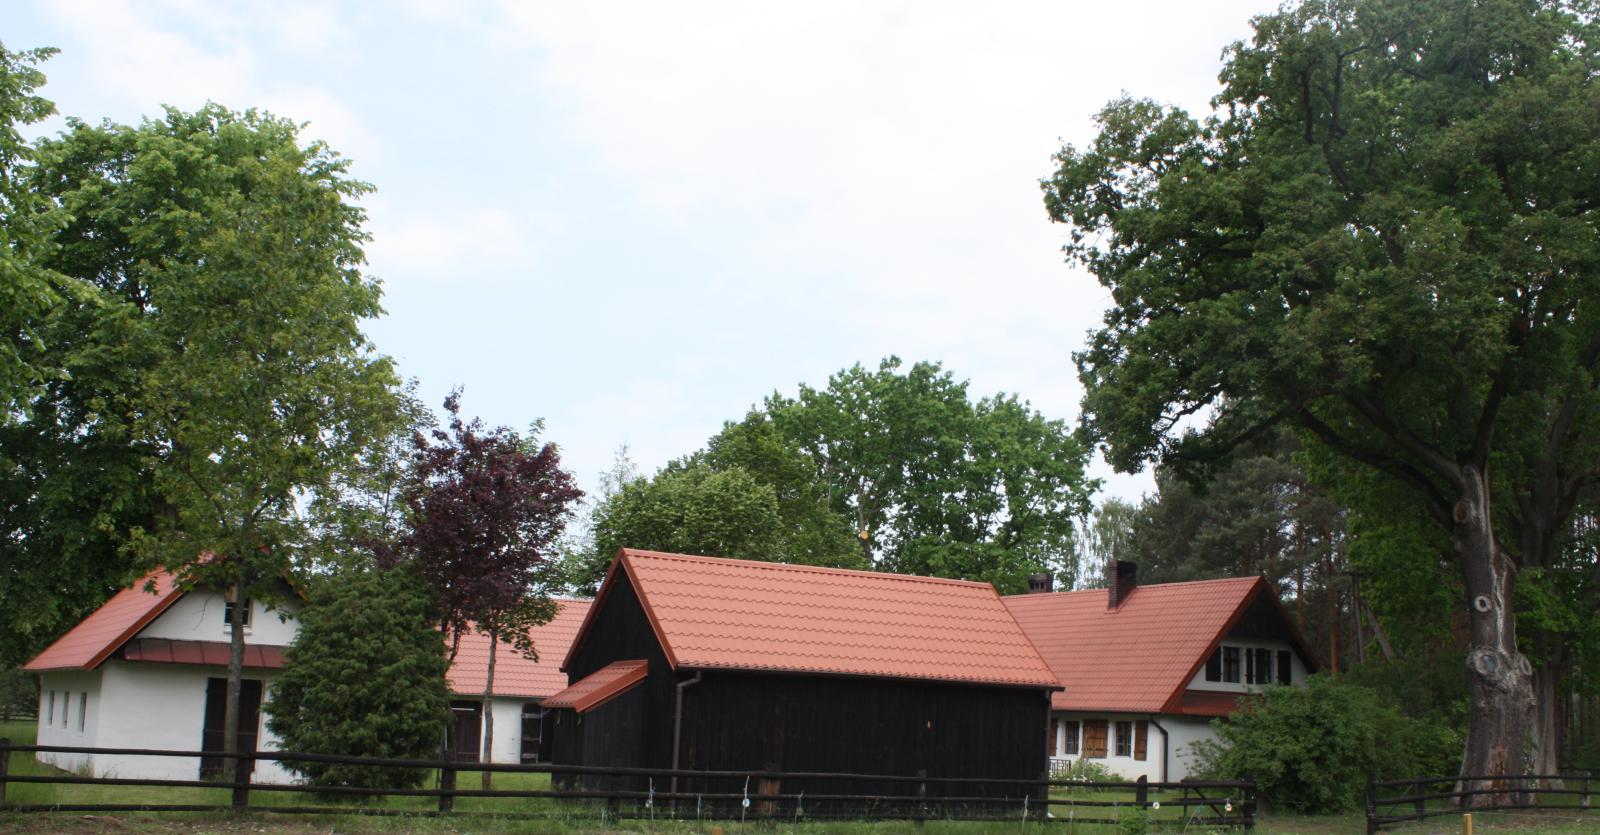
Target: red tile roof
[[1208, 703], [1140, 657], [108, 627], [600, 686], [515, 674], [712, 613], [215, 653]]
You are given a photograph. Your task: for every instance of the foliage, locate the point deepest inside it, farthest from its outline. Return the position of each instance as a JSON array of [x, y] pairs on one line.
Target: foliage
[[1431, 688], [935, 483], [690, 510], [1086, 770], [1310, 748], [1378, 239], [28, 290], [19, 693], [365, 677], [485, 509]]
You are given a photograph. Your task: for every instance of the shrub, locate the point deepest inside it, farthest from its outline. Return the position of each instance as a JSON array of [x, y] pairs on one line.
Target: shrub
[[1309, 748], [365, 677]]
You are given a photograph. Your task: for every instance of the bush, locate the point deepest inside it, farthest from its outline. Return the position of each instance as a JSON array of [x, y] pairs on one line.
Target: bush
[[1309, 748], [365, 677]]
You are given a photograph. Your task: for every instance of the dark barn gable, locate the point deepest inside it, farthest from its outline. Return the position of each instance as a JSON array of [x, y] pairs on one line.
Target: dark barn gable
[[746, 707]]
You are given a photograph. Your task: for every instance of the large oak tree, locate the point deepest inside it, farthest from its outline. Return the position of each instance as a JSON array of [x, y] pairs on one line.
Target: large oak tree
[[1386, 236]]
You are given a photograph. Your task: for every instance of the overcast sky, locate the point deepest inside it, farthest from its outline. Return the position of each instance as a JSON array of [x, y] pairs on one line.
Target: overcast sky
[[637, 220]]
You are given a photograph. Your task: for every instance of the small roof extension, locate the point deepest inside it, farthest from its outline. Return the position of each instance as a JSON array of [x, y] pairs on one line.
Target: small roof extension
[[715, 613]]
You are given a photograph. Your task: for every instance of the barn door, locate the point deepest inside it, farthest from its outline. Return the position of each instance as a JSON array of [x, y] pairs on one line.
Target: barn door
[[211, 728], [467, 731]]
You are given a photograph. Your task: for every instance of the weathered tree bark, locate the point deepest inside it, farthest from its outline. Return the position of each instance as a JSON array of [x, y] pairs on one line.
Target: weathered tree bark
[[488, 708], [1500, 677], [230, 713]]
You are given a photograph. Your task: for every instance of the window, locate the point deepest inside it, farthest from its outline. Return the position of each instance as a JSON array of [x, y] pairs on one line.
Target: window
[[1249, 666], [1263, 665], [1285, 667], [1069, 743], [1124, 739], [83, 710], [50, 709], [1214, 665], [227, 613], [1230, 664]]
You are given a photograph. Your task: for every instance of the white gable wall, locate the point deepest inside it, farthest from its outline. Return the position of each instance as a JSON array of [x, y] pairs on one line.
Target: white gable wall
[[1298, 666], [198, 616]]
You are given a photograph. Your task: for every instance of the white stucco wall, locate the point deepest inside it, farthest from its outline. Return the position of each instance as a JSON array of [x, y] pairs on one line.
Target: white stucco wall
[[67, 718], [151, 706], [1182, 731], [198, 616], [1298, 666]]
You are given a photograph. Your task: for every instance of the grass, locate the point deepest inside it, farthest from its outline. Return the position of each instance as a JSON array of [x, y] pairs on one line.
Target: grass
[[569, 817]]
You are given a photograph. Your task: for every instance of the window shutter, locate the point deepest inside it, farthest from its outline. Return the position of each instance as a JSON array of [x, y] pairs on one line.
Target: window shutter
[[1250, 666], [1055, 736], [1141, 739], [1094, 738], [1285, 667], [1214, 665]]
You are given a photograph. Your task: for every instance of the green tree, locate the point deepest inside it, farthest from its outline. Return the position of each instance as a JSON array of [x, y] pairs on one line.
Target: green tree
[[227, 256], [1310, 748], [935, 483], [690, 509], [28, 291], [364, 678], [1385, 237]]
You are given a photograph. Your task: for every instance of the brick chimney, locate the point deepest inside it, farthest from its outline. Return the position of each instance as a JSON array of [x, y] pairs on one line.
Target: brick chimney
[[1041, 583], [1124, 579]]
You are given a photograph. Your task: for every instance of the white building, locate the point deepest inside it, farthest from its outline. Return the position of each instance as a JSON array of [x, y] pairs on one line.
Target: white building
[[1146, 668], [148, 670]]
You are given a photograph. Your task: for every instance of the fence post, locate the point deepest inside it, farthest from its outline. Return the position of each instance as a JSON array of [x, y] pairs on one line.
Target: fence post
[[922, 799], [5, 766], [1249, 801], [242, 767], [1372, 802], [1141, 792], [1587, 775], [447, 788]]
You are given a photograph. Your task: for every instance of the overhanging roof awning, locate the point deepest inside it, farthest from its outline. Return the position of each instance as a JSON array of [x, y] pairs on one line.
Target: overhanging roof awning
[[256, 656], [600, 686]]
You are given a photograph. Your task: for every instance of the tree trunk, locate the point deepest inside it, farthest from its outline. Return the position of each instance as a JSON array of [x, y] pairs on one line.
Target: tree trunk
[[1547, 724], [1500, 677], [488, 708], [230, 713]]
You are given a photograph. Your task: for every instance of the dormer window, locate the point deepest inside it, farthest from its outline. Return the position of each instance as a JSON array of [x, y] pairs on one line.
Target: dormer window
[[227, 613]]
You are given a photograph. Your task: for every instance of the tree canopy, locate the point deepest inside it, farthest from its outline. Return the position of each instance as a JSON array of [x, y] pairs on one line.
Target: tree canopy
[[1386, 237]]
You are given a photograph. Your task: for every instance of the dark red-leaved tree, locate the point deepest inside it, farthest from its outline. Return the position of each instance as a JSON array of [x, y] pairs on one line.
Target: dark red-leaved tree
[[485, 508]]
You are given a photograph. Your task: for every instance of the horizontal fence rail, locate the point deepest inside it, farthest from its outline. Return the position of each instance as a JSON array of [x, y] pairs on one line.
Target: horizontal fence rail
[[1421, 797], [649, 792]]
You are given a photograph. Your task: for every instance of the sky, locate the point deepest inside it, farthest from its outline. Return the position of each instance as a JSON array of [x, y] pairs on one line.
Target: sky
[[637, 220]]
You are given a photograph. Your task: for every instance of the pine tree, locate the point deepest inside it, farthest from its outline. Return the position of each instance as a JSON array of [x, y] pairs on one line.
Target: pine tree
[[365, 677]]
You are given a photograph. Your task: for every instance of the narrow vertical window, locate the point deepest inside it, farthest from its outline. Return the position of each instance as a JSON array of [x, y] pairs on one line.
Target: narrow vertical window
[[1230, 664], [1124, 739], [1249, 666], [50, 709], [1214, 665], [83, 710], [1264, 666], [1069, 744]]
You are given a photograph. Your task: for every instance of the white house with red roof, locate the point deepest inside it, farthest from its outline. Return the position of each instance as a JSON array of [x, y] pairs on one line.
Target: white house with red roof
[[148, 670], [1146, 668]]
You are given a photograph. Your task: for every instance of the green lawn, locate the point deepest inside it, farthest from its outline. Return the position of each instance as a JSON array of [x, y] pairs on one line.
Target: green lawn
[[567, 816]]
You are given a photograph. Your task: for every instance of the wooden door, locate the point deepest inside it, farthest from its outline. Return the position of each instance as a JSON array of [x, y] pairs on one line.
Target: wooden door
[[1094, 738], [466, 732], [211, 728]]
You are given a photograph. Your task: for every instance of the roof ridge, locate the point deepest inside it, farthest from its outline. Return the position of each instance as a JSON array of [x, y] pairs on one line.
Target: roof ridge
[[802, 568], [1174, 584]]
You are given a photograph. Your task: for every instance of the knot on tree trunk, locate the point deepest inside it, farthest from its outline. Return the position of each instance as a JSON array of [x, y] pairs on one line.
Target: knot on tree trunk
[[1506, 671]]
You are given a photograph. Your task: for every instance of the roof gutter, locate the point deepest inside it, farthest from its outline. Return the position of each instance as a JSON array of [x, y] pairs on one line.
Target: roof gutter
[[677, 726]]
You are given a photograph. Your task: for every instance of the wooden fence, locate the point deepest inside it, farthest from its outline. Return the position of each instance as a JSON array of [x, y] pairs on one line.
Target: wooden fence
[[1188, 803], [1421, 798]]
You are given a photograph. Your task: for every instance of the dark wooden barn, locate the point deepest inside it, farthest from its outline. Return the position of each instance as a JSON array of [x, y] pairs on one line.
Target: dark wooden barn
[[713, 664]]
